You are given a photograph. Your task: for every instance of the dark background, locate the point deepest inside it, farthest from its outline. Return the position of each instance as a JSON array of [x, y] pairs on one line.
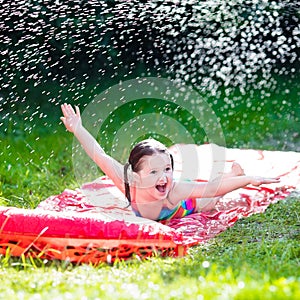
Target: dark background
[[241, 56]]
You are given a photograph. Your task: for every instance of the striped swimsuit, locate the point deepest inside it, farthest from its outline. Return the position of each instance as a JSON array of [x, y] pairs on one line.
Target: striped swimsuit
[[184, 208]]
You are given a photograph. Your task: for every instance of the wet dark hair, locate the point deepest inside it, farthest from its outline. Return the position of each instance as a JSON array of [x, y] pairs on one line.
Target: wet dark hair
[[145, 147]]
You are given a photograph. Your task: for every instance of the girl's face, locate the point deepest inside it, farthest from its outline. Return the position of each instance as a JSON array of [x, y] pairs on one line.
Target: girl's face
[[155, 176]]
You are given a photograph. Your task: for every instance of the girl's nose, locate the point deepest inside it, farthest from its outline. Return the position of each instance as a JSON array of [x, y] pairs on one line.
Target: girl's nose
[[163, 177]]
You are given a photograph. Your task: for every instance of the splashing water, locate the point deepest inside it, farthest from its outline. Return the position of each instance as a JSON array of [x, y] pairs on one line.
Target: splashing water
[[237, 54]]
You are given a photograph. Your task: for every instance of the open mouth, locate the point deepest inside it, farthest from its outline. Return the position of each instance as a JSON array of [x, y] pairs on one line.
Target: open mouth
[[161, 188]]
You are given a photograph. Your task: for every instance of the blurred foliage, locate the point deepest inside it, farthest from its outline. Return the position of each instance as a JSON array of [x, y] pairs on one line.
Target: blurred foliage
[[241, 56], [83, 41]]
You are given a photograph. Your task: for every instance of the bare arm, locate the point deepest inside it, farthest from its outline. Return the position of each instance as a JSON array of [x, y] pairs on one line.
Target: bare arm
[[111, 167], [184, 190]]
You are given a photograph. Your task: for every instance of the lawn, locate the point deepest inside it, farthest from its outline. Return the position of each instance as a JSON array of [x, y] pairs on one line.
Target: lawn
[[258, 258]]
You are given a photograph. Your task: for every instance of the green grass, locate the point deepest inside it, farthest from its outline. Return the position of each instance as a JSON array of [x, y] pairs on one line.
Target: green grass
[[34, 166], [258, 258]]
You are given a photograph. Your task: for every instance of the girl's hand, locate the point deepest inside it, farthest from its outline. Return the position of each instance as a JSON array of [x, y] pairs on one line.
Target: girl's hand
[[71, 119], [257, 181]]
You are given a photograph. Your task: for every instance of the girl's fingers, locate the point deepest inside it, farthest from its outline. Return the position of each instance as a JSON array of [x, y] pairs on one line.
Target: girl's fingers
[[64, 109], [261, 180], [270, 180], [68, 110], [77, 110], [63, 119], [273, 179]]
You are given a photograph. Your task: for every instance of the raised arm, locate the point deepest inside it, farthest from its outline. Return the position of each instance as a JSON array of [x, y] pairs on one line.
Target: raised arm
[[112, 168]]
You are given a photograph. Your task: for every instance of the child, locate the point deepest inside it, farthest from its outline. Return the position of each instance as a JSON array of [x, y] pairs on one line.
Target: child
[[147, 177]]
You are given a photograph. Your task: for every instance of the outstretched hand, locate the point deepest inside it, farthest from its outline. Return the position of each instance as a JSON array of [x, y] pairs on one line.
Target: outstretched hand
[[71, 118], [257, 181]]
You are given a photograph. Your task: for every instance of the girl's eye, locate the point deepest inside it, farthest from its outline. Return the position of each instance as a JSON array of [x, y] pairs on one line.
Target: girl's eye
[[153, 172], [168, 169]]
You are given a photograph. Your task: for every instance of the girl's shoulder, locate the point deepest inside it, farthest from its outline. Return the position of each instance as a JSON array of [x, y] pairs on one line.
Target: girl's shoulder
[[181, 190]]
